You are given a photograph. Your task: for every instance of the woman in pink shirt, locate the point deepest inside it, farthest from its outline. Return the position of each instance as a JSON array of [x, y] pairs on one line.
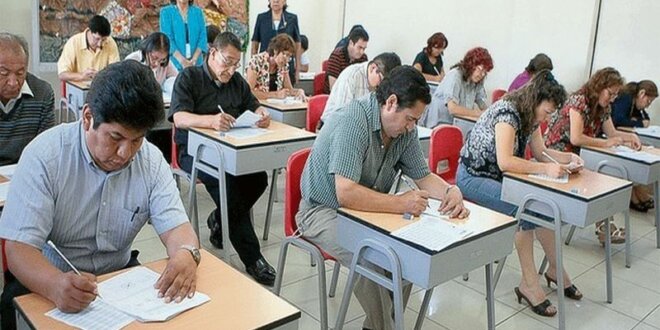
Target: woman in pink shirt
[[538, 63]]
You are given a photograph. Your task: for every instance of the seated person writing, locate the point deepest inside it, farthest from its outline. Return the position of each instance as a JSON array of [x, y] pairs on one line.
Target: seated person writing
[[268, 72]]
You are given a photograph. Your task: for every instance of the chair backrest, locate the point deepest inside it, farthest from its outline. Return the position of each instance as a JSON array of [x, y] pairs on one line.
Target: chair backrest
[[292, 194], [528, 151], [174, 152], [445, 146], [324, 65], [315, 109], [319, 81], [497, 95], [63, 88]]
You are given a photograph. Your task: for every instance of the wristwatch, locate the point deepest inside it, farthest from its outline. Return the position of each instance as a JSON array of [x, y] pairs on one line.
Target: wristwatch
[[194, 252]]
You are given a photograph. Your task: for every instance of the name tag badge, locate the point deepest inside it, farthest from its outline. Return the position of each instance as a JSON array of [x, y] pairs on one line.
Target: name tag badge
[[188, 55]]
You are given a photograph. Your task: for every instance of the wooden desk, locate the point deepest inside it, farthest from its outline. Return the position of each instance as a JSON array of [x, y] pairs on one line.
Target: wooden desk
[[217, 155], [492, 239], [645, 137], [237, 302], [587, 197], [76, 92], [294, 114], [465, 123], [637, 171], [424, 135], [5, 178]]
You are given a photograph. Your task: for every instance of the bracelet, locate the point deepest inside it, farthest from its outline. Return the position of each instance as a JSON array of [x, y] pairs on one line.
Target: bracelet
[[448, 188]]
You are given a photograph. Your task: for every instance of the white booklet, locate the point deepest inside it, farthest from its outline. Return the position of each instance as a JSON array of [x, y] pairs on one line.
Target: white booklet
[[97, 316], [545, 177], [247, 119], [432, 233]]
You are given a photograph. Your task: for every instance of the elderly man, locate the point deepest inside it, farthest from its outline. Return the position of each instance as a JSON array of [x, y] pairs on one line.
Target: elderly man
[[87, 52], [89, 187], [25, 100]]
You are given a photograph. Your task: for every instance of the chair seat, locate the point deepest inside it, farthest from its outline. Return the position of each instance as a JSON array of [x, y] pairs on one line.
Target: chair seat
[[326, 256]]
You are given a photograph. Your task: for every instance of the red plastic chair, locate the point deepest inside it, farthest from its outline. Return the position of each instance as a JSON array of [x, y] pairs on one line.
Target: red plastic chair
[[528, 151], [324, 65], [319, 81], [294, 169], [445, 147], [315, 110], [497, 94]]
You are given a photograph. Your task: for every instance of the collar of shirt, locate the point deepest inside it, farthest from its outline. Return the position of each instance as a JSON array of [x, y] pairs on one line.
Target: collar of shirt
[[25, 89], [208, 73], [88, 156], [86, 44]]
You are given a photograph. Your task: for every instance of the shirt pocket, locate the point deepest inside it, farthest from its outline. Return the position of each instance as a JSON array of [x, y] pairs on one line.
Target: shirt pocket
[[122, 227]]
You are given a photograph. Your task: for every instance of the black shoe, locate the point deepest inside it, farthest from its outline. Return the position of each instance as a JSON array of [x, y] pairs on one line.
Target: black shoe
[[216, 231], [262, 272]]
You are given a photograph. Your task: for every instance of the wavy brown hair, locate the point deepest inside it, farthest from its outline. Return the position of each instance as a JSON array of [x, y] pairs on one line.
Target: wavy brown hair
[[601, 80], [632, 88], [542, 87]]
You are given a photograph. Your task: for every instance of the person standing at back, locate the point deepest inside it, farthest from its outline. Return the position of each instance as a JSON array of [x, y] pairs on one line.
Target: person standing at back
[[342, 57], [185, 26], [88, 52]]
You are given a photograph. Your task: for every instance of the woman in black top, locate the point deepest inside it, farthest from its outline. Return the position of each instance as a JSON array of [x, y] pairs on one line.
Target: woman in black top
[[429, 60]]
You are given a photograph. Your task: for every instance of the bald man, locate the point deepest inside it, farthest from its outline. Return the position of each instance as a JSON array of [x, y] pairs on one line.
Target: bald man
[[26, 102]]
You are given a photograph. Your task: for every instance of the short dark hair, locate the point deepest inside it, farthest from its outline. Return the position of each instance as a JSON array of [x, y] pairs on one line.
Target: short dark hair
[[358, 34], [407, 84], [116, 97], [225, 39], [212, 32], [386, 62], [304, 42], [538, 63], [99, 24], [156, 41]]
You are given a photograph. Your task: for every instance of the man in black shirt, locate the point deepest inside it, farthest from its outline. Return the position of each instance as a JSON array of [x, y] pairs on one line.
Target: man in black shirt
[[197, 93]]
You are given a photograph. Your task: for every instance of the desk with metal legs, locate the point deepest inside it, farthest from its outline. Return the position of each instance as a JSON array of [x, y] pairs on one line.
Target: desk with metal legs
[[367, 235], [294, 114], [648, 138], [424, 135], [639, 171], [587, 197], [217, 155], [76, 92], [465, 123]]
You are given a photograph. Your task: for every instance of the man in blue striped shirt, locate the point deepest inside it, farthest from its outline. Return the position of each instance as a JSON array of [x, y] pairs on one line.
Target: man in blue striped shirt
[[26, 102]]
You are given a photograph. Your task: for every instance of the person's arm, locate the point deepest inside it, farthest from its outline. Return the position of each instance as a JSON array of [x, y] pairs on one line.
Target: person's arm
[[456, 109], [202, 42], [179, 279], [451, 196], [578, 138], [182, 108], [70, 292], [252, 76], [66, 64], [505, 136], [352, 195], [428, 77], [630, 139]]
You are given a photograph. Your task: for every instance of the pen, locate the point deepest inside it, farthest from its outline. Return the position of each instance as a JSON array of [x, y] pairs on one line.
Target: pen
[[223, 112], [52, 245], [555, 161], [135, 213], [408, 183], [436, 70]]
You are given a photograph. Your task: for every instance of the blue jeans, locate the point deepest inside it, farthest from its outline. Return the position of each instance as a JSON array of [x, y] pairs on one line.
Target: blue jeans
[[486, 192]]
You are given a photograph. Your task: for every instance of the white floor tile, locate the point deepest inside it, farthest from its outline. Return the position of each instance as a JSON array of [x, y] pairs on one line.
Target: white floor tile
[[523, 321], [654, 318], [409, 319]]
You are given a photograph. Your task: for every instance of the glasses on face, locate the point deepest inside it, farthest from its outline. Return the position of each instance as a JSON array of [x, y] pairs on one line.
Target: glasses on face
[[481, 71], [153, 58], [228, 64], [613, 94]]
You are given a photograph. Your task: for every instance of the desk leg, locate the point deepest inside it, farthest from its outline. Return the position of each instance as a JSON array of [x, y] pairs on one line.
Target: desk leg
[[561, 310], [224, 213], [422, 310], [271, 200], [626, 215], [490, 296], [608, 259], [192, 198], [656, 191]]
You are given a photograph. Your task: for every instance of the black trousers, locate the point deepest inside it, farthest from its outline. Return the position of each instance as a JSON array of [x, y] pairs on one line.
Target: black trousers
[[13, 288], [242, 193]]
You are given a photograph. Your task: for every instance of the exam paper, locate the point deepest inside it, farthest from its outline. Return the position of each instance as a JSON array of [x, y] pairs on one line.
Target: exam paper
[[636, 155], [651, 130], [545, 177], [286, 100], [245, 132], [423, 132], [133, 293], [247, 119], [432, 233], [97, 316]]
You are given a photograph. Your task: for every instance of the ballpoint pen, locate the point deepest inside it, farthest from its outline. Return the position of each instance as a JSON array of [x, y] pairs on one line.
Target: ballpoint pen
[[75, 270], [555, 161], [223, 112]]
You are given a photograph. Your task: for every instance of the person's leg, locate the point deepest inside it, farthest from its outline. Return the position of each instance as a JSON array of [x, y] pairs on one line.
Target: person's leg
[[483, 191], [13, 288], [529, 283], [547, 239], [319, 226]]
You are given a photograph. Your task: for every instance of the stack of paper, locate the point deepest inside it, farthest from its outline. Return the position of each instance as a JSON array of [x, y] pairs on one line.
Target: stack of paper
[[245, 132], [432, 233], [545, 177], [636, 155], [247, 119], [306, 75], [286, 100], [127, 297]]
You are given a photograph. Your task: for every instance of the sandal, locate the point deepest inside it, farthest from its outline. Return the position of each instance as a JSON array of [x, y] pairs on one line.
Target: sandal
[[570, 292], [540, 309], [649, 204], [617, 234], [639, 207]]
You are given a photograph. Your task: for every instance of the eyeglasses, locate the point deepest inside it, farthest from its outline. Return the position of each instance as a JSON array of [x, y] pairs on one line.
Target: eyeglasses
[[613, 95], [226, 62], [153, 58]]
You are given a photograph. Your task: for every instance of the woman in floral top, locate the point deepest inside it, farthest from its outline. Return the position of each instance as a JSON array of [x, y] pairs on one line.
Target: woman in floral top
[[497, 144], [582, 122], [268, 72]]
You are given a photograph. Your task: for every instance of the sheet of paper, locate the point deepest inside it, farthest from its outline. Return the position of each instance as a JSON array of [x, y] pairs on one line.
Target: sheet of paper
[[286, 100], [98, 315], [433, 207], [637, 155], [651, 130], [245, 133], [8, 170], [423, 132], [307, 75], [432, 233], [247, 119], [545, 177], [167, 99], [133, 293]]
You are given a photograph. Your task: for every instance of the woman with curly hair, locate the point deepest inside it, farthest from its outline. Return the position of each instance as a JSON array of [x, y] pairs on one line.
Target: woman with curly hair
[[429, 60], [584, 119], [268, 72], [498, 145], [460, 90]]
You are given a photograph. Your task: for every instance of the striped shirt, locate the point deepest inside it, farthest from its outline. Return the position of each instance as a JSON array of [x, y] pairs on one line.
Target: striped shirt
[[350, 145], [338, 61], [58, 193], [28, 116], [352, 83]]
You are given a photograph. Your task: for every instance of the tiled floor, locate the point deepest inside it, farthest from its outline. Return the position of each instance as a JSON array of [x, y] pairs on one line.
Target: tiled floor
[[462, 305]]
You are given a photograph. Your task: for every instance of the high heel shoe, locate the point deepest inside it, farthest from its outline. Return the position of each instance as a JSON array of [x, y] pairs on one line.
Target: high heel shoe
[[540, 309], [570, 292]]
